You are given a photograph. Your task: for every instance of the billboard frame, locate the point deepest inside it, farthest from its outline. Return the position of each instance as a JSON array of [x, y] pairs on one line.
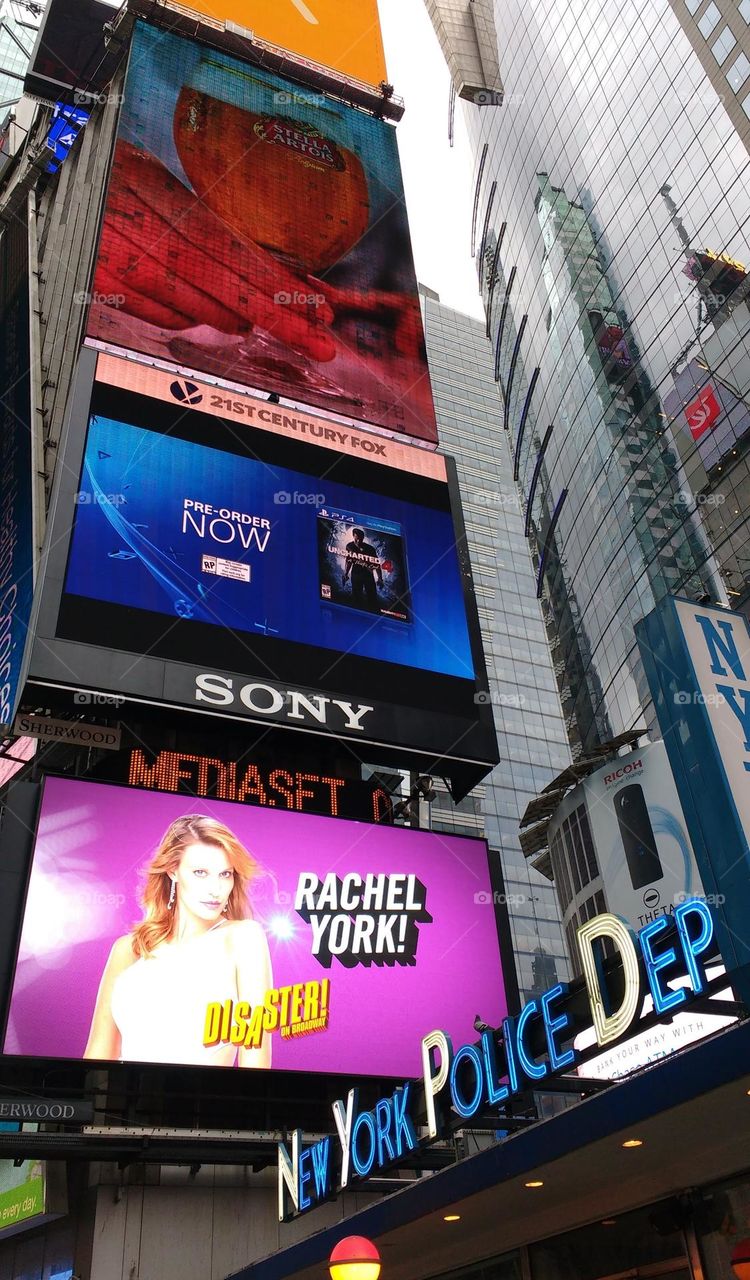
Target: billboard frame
[[18, 839], [59, 664], [411, 384], [227, 38]]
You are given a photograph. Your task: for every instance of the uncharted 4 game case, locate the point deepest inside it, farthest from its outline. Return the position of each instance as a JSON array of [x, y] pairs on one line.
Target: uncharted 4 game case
[[362, 564]]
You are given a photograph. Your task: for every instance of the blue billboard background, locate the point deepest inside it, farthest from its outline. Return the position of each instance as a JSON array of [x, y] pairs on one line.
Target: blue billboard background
[[16, 531], [161, 520]]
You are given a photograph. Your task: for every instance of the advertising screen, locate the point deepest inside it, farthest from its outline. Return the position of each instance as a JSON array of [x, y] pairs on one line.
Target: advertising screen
[[336, 33], [70, 48], [645, 857], [257, 232], [16, 493], [239, 559], [203, 932], [210, 530], [21, 1193]]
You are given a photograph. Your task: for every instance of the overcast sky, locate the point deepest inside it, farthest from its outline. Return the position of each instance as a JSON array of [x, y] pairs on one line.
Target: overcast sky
[[438, 178]]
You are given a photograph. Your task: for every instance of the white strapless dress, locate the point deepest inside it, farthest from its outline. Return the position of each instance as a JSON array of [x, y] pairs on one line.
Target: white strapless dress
[[159, 1003]]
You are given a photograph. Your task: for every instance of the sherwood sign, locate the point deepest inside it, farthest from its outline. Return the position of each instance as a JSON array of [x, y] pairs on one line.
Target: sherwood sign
[[48, 1111], [457, 1084], [75, 733]]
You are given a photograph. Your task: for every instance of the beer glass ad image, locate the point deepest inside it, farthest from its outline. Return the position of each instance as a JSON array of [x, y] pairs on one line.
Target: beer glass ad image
[[363, 564], [256, 231], [176, 528], [198, 932]]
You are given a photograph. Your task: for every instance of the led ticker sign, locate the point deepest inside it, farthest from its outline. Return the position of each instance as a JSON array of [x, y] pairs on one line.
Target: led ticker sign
[[247, 782], [259, 235], [456, 1084]]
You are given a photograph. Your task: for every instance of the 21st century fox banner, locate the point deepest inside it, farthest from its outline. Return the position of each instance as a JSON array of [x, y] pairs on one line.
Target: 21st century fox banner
[[161, 928], [257, 232]]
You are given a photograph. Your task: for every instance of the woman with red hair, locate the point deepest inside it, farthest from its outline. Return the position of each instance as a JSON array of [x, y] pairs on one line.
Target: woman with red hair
[[195, 946]]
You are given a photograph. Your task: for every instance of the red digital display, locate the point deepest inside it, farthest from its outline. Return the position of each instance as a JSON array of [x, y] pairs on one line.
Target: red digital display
[[248, 782]]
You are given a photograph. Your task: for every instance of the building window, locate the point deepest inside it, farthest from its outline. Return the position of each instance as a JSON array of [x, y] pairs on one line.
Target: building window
[[722, 48], [709, 20], [738, 72], [693, 6], [746, 107], [744, 7]]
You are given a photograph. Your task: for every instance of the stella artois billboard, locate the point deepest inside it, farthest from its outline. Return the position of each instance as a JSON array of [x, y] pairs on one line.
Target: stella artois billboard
[[256, 232]]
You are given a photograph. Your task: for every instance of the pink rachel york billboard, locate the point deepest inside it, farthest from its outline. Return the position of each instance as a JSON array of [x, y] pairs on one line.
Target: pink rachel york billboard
[[168, 929]]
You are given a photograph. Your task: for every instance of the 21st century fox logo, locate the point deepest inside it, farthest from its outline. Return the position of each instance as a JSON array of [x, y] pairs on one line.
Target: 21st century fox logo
[[188, 393]]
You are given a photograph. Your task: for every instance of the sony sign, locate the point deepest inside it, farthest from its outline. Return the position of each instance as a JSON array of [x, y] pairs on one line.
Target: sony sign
[[267, 700]]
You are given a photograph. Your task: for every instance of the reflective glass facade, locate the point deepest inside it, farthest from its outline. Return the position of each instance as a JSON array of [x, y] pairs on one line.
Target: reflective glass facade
[[521, 682], [18, 30], [613, 264]]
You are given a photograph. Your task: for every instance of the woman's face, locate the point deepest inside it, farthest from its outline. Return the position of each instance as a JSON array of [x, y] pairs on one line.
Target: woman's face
[[204, 879]]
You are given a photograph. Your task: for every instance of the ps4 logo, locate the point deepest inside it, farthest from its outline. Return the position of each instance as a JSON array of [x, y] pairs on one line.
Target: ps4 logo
[[262, 699]]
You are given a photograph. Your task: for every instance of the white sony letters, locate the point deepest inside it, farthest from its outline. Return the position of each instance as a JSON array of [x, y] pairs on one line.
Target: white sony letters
[[266, 700]]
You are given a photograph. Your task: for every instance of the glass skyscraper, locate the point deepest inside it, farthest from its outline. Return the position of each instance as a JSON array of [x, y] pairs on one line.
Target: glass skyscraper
[[19, 23], [611, 227], [522, 688]]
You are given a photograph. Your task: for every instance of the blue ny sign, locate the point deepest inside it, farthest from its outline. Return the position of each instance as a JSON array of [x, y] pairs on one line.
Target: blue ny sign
[[697, 660]]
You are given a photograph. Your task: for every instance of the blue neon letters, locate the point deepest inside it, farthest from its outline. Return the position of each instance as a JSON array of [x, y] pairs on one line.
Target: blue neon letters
[[475, 1077]]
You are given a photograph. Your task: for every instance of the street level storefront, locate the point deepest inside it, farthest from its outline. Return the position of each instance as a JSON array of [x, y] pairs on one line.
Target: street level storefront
[[649, 1177]]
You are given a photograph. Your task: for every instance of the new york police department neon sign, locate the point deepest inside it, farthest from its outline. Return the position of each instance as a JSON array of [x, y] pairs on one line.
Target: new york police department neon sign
[[474, 1077]]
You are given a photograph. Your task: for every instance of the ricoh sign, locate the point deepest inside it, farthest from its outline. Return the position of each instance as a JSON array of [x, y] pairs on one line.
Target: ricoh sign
[[697, 660]]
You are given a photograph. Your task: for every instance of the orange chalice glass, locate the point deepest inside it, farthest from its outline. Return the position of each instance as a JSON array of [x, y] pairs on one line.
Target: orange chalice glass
[[275, 181]]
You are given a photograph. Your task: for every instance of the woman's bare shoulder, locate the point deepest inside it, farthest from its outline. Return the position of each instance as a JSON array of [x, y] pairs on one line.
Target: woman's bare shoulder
[[122, 955], [244, 933]]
